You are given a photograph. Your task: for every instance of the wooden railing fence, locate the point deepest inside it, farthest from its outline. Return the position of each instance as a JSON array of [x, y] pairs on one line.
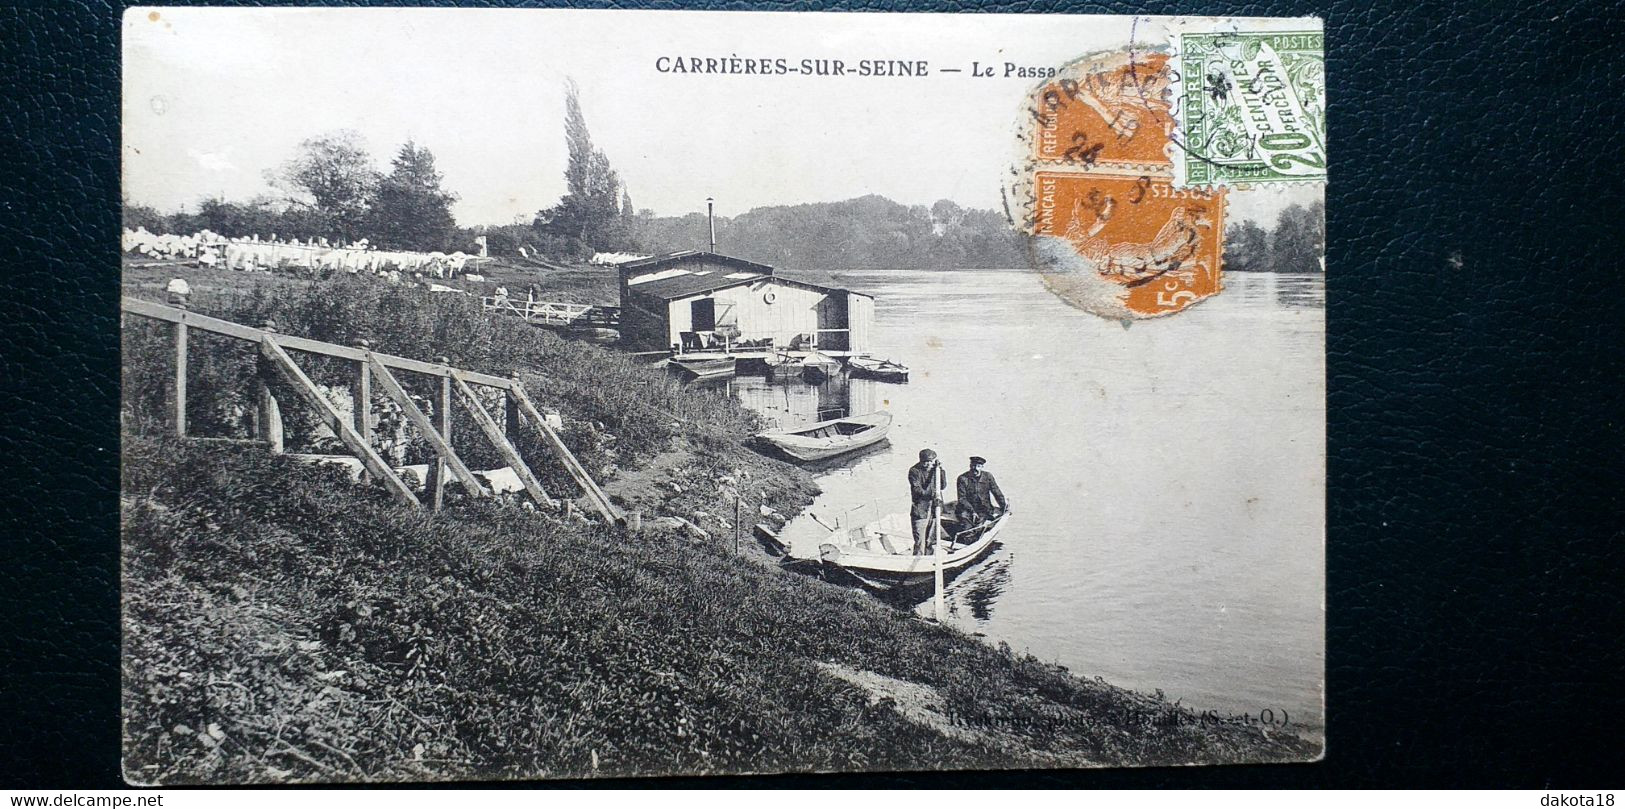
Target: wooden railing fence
[[356, 433], [551, 313]]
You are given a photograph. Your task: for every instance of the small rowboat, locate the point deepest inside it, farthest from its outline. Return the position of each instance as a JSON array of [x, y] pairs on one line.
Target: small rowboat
[[705, 367], [880, 370], [881, 553], [770, 538], [826, 439], [597, 336], [817, 367], [782, 362]]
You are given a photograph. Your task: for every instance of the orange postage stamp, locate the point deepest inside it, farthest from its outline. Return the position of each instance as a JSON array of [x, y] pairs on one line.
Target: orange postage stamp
[[1158, 247], [1111, 113], [1095, 195]]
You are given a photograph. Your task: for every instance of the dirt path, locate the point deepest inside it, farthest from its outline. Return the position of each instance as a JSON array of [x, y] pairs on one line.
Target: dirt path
[[645, 488], [922, 705]]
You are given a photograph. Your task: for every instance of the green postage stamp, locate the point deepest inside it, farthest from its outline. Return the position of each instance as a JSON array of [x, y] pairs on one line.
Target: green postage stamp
[[1252, 108]]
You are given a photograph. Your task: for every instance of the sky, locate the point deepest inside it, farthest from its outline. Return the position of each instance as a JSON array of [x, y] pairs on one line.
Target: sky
[[214, 98]]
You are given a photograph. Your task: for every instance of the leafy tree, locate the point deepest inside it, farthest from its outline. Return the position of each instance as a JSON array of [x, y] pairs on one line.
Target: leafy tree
[[262, 216], [1299, 239], [1295, 245], [332, 176], [945, 214], [144, 216], [1246, 247], [410, 210]]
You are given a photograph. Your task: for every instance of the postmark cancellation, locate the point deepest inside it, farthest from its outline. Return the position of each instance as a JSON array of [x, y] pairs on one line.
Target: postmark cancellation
[[1126, 160]]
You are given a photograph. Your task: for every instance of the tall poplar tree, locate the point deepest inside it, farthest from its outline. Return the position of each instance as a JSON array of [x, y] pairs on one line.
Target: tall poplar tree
[[629, 219], [589, 211]]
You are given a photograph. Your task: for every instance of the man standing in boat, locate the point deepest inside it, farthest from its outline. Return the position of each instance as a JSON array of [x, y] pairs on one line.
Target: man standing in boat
[[926, 480], [977, 490]]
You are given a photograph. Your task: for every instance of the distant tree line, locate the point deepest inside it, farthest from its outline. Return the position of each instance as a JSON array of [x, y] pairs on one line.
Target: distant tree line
[[332, 189], [870, 232], [1295, 245]]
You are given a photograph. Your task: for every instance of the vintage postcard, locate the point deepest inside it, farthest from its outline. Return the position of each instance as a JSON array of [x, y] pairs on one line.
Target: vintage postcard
[[539, 394]]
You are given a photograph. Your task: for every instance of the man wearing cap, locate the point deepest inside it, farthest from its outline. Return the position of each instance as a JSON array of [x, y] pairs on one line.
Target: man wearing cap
[[977, 490], [926, 480]]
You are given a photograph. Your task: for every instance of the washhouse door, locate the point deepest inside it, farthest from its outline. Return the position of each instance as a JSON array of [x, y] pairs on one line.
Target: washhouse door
[[703, 314]]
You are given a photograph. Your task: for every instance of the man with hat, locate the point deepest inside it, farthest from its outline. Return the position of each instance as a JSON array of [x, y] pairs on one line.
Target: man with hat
[[977, 490], [926, 480]]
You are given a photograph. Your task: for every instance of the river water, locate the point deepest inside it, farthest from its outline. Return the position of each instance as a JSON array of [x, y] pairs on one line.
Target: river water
[[1167, 478]]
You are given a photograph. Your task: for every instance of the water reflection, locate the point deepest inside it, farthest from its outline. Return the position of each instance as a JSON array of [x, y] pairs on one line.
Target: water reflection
[[980, 588], [1262, 289], [1301, 290], [788, 400], [977, 586], [841, 462]]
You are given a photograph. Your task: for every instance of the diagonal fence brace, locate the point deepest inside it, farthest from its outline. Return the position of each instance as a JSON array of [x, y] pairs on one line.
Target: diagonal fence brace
[[296, 377], [595, 495], [393, 388], [509, 454]]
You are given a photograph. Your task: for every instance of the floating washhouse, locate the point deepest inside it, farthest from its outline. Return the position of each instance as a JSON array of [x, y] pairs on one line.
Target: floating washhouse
[[705, 302]]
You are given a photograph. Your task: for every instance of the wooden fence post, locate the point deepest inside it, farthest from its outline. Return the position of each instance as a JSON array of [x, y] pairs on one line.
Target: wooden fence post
[[444, 454], [437, 472], [510, 412], [511, 426], [583, 478], [267, 413], [361, 395], [179, 302]]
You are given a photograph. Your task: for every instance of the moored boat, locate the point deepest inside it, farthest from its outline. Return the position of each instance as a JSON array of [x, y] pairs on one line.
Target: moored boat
[[881, 553], [595, 335], [782, 362], [827, 439], [817, 367], [700, 367], [770, 538], [880, 370]]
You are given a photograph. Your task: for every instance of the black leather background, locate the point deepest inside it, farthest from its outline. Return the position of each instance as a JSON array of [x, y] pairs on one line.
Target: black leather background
[[1475, 541]]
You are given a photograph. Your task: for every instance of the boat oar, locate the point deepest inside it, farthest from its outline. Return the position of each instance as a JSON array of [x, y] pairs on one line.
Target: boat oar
[[815, 519], [935, 531]]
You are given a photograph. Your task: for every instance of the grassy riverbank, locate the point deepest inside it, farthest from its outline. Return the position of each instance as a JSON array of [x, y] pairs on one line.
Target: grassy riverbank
[[284, 623]]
